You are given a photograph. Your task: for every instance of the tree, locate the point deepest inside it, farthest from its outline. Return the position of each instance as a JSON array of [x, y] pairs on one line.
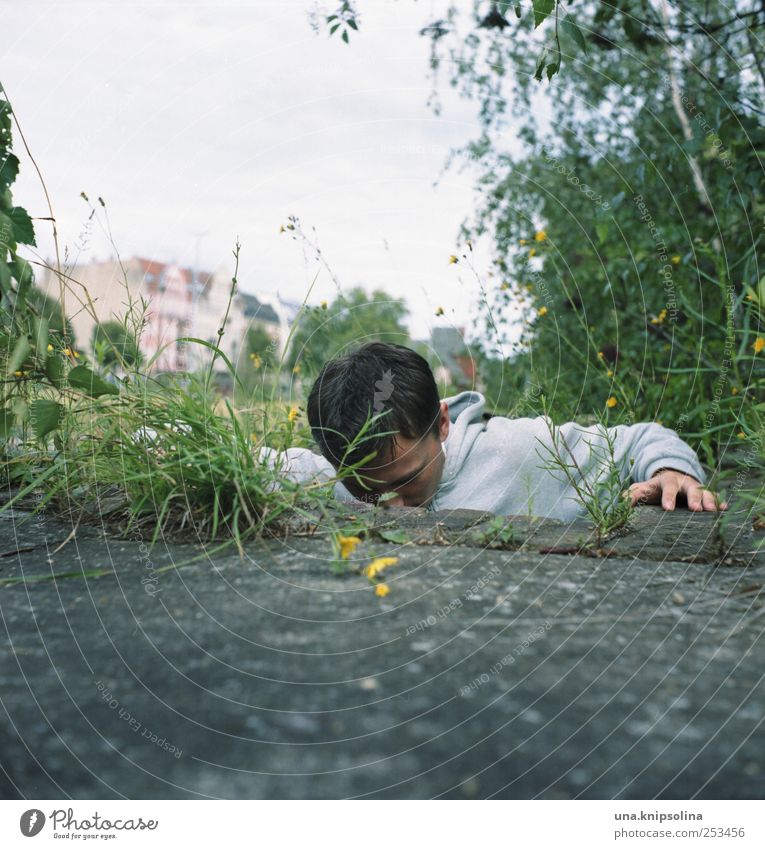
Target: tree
[[260, 346], [629, 232], [114, 345], [50, 309], [351, 319]]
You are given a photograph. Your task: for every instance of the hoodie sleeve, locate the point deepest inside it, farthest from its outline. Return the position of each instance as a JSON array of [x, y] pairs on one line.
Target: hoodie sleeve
[[301, 465], [638, 450]]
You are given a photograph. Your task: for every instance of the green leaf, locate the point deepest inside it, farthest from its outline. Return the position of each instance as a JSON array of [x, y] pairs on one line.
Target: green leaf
[[397, 535], [41, 340], [542, 9], [81, 377], [571, 29], [352, 24], [5, 278], [5, 116], [6, 422], [22, 271], [553, 69], [387, 496], [55, 370], [601, 228], [540, 65], [344, 36], [7, 242], [20, 351], [9, 169], [45, 416], [23, 229]]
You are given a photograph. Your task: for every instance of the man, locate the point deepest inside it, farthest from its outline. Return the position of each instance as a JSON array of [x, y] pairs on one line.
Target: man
[[443, 454]]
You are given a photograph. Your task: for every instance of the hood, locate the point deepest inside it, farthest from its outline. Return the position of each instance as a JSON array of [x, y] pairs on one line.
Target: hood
[[466, 417]]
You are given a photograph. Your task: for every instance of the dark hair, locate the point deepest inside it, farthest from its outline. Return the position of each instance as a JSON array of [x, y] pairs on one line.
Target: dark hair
[[378, 377]]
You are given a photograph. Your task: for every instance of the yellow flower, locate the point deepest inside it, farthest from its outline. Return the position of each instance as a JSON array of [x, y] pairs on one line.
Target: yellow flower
[[522, 242], [293, 414], [382, 590], [611, 402], [759, 344], [67, 352], [296, 370], [323, 305], [741, 434], [347, 546], [453, 259], [734, 390], [440, 311], [676, 259], [76, 354], [256, 361], [378, 564], [542, 311], [533, 252], [50, 347], [610, 373], [18, 374], [600, 355], [540, 236]]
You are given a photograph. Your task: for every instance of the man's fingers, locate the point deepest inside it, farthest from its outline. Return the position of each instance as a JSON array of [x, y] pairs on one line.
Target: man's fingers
[[669, 495], [646, 492], [710, 501], [697, 498], [665, 490], [700, 499]]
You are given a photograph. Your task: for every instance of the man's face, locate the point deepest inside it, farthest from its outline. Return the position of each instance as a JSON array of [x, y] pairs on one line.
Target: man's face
[[413, 471]]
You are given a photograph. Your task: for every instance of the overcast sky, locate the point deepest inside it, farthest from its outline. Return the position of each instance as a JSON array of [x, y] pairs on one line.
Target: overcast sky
[[223, 119]]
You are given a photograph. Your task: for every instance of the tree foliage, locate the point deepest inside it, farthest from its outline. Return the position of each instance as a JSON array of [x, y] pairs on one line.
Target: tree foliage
[[114, 345], [353, 318], [626, 219]]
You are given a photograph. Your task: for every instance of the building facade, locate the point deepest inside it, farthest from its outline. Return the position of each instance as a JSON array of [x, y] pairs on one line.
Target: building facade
[[181, 303]]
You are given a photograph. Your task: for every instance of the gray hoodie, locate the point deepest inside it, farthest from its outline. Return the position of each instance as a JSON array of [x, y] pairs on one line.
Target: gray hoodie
[[499, 464]]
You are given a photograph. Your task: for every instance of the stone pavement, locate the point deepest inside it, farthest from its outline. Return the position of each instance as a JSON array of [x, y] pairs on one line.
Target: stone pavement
[[532, 662]]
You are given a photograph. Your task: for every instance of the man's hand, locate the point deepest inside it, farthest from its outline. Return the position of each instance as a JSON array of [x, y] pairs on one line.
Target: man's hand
[[665, 485]]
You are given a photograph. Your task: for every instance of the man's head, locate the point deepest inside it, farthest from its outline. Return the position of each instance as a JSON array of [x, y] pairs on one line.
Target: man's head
[[398, 383]]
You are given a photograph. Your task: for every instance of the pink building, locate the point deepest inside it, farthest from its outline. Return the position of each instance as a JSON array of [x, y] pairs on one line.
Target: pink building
[[169, 316], [181, 303]]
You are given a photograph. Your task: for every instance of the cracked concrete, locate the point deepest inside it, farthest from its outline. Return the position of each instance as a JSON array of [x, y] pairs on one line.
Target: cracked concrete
[[524, 664]]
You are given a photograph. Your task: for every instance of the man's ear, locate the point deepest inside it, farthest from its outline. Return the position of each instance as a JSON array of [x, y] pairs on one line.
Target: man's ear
[[443, 421]]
